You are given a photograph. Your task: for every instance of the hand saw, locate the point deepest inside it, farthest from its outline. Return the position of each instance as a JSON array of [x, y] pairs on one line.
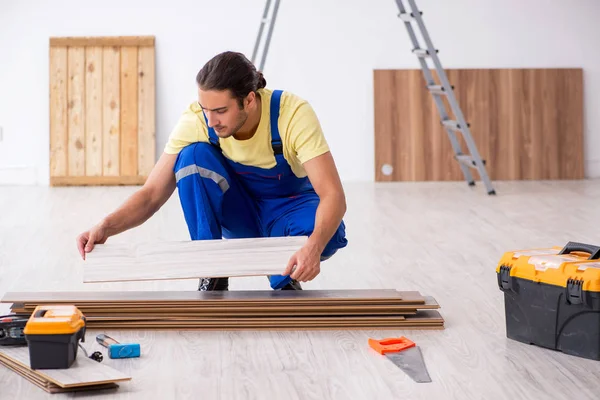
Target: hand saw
[[405, 354]]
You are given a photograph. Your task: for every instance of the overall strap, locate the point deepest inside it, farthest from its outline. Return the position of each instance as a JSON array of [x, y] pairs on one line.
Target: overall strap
[[275, 138], [212, 135]]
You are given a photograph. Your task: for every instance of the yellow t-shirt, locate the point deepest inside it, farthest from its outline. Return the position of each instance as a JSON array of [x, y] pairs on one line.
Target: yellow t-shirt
[[299, 128]]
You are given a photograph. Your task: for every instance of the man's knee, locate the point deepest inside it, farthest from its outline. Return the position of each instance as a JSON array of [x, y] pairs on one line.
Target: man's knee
[[337, 241], [204, 160], [196, 154]]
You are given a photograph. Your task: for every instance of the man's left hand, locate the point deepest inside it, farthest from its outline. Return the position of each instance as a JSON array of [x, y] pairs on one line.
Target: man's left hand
[[307, 263]]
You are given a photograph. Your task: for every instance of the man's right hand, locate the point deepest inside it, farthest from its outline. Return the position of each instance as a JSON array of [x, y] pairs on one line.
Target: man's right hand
[[86, 241]]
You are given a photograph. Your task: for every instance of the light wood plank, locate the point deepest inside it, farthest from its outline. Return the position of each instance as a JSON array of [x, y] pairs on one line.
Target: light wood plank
[[76, 110], [111, 120], [129, 112], [82, 372], [46, 385], [97, 180], [58, 112], [93, 111], [191, 259], [146, 112], [102, 41]]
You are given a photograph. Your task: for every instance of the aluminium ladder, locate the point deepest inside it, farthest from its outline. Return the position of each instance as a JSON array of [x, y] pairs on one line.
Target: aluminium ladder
[[466, 161], [271, 21]]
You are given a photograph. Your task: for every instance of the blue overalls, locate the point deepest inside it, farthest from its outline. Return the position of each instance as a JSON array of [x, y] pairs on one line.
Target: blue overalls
[[225, 199]]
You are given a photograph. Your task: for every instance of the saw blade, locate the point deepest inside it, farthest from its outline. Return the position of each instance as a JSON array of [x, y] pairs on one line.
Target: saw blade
[[412, 363]]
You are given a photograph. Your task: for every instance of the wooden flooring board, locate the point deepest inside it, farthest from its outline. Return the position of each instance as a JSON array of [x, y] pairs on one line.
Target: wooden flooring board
[[429, 303], [83, 372], [341, 309], [190, 259], [247, 306], [419, 327], [422, 317], [46, 385], [249, 320], [218, 297], [108, 317], [187, 314]]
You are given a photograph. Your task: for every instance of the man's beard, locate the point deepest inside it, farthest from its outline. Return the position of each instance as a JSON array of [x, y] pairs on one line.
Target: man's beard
[[241, 121]]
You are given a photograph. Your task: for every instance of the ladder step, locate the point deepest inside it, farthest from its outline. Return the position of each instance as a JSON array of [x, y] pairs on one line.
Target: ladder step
[[468, 160], [406, 17], [455, 126], [437, 89], [422, 53]]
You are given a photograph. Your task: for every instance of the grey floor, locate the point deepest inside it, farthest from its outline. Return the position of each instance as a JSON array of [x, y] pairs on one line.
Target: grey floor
[[442, 239]]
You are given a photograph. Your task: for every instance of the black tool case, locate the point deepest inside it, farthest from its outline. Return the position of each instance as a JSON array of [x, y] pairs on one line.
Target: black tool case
[[552, 297]]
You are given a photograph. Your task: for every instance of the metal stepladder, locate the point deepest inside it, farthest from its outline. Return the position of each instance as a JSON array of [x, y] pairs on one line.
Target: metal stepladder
[[466, 161], [271, 21]]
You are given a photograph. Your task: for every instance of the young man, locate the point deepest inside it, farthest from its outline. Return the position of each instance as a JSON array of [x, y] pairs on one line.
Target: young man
[[248, 162]]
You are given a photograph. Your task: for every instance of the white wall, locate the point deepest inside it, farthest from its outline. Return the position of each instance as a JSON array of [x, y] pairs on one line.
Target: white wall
[[324, 50]]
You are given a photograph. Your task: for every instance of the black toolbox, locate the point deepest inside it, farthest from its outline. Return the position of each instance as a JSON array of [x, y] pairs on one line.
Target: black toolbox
[[552, 297]]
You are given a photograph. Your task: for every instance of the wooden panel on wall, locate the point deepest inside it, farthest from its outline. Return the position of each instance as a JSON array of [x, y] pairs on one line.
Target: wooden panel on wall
[[58, 111], [93, 107], [146, 113], [129, 110], [76, 110], [527, 124], [111, 101], [102, 117]]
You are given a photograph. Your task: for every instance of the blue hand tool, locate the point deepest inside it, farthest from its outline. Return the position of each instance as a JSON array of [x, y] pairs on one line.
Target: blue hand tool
[[118, 350]]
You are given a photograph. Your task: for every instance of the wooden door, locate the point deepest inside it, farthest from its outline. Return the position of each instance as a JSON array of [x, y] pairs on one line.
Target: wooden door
[[102, 110]]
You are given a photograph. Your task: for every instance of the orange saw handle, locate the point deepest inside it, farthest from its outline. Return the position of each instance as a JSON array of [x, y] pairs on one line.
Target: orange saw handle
[[391, 345]]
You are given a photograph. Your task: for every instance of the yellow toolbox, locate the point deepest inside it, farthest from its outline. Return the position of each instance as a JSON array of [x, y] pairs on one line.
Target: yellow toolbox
[[552, 297], [53, 333]]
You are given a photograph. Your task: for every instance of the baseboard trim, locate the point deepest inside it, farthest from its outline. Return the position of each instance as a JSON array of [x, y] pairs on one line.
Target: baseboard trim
[[18, 175]]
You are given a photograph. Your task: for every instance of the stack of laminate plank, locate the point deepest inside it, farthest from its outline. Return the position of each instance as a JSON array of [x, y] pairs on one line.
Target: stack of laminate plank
[[244, 310], [83, 375]]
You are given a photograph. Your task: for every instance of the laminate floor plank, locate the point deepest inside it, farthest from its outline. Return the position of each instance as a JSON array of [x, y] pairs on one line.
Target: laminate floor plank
[[235, 297], [83, 371], [190, 259]]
